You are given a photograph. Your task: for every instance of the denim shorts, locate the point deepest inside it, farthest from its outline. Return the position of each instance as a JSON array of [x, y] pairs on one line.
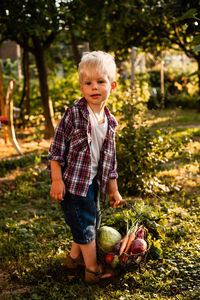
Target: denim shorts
[[82, 214]]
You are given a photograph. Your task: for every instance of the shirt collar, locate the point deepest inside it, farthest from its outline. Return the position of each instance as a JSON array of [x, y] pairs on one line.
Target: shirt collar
[[82, 104]]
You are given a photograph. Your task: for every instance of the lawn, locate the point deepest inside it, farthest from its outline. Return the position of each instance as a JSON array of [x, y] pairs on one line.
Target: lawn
[[34, 238]]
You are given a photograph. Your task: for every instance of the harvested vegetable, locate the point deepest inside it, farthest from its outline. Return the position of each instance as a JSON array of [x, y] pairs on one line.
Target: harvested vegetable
[[130, 240], [125, 260], [141, 232], [121, 257], [115, 262], [138, 246], [123, 244], [109, 258], [108, 238], [124, 241], [117, 247]]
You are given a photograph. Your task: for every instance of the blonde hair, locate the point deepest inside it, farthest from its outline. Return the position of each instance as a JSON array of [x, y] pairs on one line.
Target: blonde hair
[[97, 60]]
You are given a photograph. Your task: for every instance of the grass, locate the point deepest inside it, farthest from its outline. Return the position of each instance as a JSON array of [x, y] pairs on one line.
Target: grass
[[34, 238]]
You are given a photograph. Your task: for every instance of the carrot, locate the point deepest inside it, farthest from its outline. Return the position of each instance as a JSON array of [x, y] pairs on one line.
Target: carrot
[[130, 240], [124, 243]]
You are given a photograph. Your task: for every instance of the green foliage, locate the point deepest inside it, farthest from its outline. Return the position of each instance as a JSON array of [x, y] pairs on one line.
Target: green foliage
[[145, 152], [64, 90], [34, 239], [183, 100], [9, 69], [32, 19], [120, 99], [12, 164], [180, 91]]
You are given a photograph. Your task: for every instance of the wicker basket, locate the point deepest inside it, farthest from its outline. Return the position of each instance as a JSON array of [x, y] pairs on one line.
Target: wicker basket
[[137, 260]]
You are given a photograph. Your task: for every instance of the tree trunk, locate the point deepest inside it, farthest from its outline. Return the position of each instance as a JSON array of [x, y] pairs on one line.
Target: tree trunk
[[26, 86], [1, 94], [75, 50], [199, 84], [44, 90]]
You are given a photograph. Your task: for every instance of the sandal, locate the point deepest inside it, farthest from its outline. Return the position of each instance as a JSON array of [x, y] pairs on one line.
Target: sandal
[[94, 277], [72, 263]]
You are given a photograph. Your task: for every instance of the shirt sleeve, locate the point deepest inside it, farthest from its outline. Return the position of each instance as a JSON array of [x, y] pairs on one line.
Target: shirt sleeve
[[61, 136]]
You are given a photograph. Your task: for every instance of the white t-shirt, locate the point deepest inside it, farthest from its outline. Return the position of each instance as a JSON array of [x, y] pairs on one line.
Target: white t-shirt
[[98, 135]]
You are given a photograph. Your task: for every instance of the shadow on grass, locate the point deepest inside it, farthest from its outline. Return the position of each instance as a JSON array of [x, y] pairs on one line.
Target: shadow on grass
[[52, 280]]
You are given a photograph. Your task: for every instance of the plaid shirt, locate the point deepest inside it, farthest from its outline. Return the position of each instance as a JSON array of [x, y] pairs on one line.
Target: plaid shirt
[[71, 148]]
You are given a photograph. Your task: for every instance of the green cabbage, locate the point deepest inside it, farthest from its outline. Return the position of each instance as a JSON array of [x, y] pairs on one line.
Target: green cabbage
[[108, 237]]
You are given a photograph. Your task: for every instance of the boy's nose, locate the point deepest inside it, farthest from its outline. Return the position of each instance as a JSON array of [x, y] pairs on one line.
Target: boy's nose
[[94, 85]]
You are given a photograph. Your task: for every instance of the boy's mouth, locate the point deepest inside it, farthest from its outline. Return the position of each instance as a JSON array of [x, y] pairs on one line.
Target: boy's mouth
[[95, 95]]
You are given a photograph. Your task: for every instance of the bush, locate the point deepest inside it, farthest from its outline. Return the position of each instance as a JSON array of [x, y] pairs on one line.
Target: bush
[[179, 91], [140, 154], [182, 100], [11, 164], [64, 90]]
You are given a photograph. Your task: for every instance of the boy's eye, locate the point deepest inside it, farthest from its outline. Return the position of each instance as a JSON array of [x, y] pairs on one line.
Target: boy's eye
[[88, 83], [101, 81]]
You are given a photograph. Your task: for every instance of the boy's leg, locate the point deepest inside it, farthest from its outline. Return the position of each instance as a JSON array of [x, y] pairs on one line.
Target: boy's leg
[[89, 256], [74, 259], [75, 250]]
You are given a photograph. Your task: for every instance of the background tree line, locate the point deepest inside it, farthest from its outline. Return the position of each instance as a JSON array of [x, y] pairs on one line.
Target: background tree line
[[110, 25]]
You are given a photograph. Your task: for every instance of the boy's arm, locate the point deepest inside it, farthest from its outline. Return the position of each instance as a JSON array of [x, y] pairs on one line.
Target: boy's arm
[[61, 137], [56, 155], [57, 191], [115, 199]]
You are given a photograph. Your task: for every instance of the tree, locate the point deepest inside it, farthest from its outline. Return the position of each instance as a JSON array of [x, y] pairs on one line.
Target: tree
[[150, 25], [26, 84], [174, 24], [34, 24]]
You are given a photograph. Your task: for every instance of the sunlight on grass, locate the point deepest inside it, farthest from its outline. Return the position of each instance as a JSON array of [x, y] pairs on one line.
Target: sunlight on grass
[[185, 176], [187, 132], [182, 170], [194, 147], [174, 118], [157, 120]]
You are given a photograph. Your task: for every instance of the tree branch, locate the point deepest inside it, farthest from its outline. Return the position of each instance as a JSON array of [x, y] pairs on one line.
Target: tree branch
[[181, 44]]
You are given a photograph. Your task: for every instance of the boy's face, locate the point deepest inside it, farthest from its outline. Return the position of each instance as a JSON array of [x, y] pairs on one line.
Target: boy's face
[[96, 88]]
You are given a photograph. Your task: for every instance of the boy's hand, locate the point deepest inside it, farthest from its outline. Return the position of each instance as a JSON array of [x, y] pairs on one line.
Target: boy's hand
[[57, 191], [115, 200]]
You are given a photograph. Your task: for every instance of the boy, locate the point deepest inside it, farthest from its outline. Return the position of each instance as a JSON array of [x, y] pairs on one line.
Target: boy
[[83, 160]]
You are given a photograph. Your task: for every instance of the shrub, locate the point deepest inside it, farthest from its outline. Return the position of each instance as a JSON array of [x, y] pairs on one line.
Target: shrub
[[140, 154], [64, 90], [179, 90]]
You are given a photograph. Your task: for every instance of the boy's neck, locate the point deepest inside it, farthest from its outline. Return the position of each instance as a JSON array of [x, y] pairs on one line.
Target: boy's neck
[[98, 113], [97, 109]]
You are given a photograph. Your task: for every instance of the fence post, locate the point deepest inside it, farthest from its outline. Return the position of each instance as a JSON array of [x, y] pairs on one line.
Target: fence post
[[86, 47], [133, 58], [162, 85], [19, 67]]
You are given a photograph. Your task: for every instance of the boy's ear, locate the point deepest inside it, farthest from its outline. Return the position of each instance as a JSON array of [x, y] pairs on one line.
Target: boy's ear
[[113, 86]]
